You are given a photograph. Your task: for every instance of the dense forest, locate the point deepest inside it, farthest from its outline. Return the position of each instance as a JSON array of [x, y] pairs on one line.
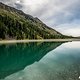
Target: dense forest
[[15, 24]]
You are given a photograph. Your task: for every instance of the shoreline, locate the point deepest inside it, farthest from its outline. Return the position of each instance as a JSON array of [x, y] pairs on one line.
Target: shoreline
[[39, 40]]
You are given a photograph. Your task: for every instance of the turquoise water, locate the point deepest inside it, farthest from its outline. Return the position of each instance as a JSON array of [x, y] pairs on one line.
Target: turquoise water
[[40, 61]]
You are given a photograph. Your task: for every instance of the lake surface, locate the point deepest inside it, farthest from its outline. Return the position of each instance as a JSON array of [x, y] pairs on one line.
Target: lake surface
[[40, 61]]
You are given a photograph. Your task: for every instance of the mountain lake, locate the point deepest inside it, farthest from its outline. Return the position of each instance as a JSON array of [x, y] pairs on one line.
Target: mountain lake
[[40, 61]]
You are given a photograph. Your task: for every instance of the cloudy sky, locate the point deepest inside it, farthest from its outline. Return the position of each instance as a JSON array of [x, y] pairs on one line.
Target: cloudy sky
[[62, 15]]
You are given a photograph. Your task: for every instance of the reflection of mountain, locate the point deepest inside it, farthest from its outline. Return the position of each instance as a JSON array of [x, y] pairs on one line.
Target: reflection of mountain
[[16, 57]]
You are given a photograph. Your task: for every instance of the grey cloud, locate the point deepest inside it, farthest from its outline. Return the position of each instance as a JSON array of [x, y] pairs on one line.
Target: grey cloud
[[18, 6], [67, 14]]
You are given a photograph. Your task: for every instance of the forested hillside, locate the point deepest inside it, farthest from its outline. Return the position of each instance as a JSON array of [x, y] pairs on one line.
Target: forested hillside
[[15, 24]]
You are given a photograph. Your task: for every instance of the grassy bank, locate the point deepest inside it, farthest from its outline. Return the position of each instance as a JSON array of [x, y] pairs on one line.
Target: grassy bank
[[40, 40]]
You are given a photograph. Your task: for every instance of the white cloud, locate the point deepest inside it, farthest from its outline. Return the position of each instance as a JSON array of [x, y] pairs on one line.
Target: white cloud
[[18, 1], [72, 28], [72, 31]]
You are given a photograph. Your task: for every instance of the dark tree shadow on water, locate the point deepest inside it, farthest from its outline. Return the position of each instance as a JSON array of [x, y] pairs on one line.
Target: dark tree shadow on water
[[15, 57]]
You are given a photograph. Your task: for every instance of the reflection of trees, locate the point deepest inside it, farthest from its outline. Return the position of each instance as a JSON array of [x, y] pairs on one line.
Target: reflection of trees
[[16, 57]]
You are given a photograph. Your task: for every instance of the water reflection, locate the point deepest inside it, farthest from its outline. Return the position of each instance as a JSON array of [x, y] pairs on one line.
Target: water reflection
[[62, 63], [15, 57]]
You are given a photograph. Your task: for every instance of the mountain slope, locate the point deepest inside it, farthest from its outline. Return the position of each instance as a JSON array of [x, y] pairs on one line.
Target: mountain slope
[[15, 24]]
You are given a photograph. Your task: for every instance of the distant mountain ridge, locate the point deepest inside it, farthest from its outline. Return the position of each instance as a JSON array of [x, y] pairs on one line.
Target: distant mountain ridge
[[15, 24]]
